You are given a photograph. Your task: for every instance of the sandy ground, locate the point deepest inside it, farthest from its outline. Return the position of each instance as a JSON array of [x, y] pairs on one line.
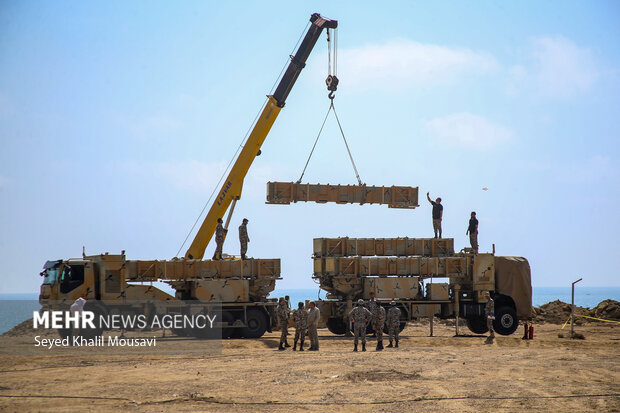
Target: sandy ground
[[441, 373]]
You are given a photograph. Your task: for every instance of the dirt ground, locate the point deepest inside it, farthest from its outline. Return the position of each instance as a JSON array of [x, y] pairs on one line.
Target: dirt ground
[[441, 373]]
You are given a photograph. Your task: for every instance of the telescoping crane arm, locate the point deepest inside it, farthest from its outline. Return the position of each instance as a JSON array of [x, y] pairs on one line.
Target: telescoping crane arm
[[231, 189]]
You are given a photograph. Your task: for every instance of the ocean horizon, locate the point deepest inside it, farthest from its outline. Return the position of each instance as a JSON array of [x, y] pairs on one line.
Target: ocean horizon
[[18, 307]]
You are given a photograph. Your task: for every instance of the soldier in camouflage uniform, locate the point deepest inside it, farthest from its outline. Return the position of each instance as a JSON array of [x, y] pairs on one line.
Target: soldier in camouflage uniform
[[378, 323], [282, 313], [373, 307], [360, 316], [220, 233], [393, 323], [244, 238], [300, 316], [489, 311]]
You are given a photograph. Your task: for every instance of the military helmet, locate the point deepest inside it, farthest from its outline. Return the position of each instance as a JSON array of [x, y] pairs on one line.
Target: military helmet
[[360, 301]]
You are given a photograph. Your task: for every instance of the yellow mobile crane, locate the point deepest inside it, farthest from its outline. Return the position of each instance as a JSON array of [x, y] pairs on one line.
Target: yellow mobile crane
[[231, 189], [238, 288]]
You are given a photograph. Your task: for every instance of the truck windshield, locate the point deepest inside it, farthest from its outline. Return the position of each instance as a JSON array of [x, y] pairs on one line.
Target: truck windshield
[[50, 276]]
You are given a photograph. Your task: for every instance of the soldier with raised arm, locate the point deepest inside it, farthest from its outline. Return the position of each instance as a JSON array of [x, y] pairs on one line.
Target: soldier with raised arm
[[360, 316], [437, 214]]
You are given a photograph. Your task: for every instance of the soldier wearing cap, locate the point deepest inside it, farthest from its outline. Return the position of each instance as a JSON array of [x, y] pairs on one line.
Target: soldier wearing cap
[[360, 316], [300, 316], [489, 311], [220, 234], [393, 323], [314, 314], [244, 238], [282, 312]]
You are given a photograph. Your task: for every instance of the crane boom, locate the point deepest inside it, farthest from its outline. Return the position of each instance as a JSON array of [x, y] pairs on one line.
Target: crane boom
[[231, 189]]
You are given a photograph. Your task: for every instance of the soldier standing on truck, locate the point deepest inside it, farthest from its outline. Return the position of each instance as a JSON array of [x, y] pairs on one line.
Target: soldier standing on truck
[[243, 237], [437, 214], [282, 313], [472, 230], [300, 316], [393, 323], [360, 316], [313, 320], [489, 311], [220, 233]]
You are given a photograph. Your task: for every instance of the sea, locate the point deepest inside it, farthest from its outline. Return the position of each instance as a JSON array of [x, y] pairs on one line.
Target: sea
[[15, 308]]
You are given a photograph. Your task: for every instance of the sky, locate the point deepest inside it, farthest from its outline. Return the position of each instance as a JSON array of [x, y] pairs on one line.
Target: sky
[[117, 119]]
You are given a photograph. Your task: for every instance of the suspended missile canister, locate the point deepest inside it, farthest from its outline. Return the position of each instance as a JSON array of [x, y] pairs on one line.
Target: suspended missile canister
[[392, 196]]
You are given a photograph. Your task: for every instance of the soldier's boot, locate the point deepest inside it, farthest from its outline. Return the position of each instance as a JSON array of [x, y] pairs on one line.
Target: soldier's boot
[[301, 346], [281, 347], [363, 346], [380, 344], [396, 345], [286, 344], [390, 345], [243, 257], [355, 348], [214, 257], [295, 345]]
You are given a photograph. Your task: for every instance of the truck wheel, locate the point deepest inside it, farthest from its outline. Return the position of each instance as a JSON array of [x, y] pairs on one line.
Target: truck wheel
[[256, 324], [506, 321], [477, 325], [227, 318], [179, 332], [99, 311], [336, 325]]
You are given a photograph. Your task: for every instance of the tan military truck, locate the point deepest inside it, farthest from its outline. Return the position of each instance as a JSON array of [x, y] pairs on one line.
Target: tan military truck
[[425, 277], [111, 284]]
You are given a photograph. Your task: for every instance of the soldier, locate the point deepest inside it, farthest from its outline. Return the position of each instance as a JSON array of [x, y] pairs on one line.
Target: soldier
[[282, 313], [220, 233], [489, 311], [313, 320], [378, 323], [300, 316], [360, 316], [378, 319], [243, 237], [393, 323], [437, 214], [472, 230]]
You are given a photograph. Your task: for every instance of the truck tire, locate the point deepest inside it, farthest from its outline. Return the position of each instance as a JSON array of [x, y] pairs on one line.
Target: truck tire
[[506, 321], [256, 324], [336, 325], [179, 332], [477, 325], [227, 318]]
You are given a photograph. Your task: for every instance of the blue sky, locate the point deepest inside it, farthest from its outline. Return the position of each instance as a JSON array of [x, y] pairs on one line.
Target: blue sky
[[118, 118]]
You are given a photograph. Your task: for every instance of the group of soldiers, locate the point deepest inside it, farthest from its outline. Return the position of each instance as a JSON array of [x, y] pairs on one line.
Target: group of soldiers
[[220, 235], [305, 322], [360, 317], [373, 313]]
